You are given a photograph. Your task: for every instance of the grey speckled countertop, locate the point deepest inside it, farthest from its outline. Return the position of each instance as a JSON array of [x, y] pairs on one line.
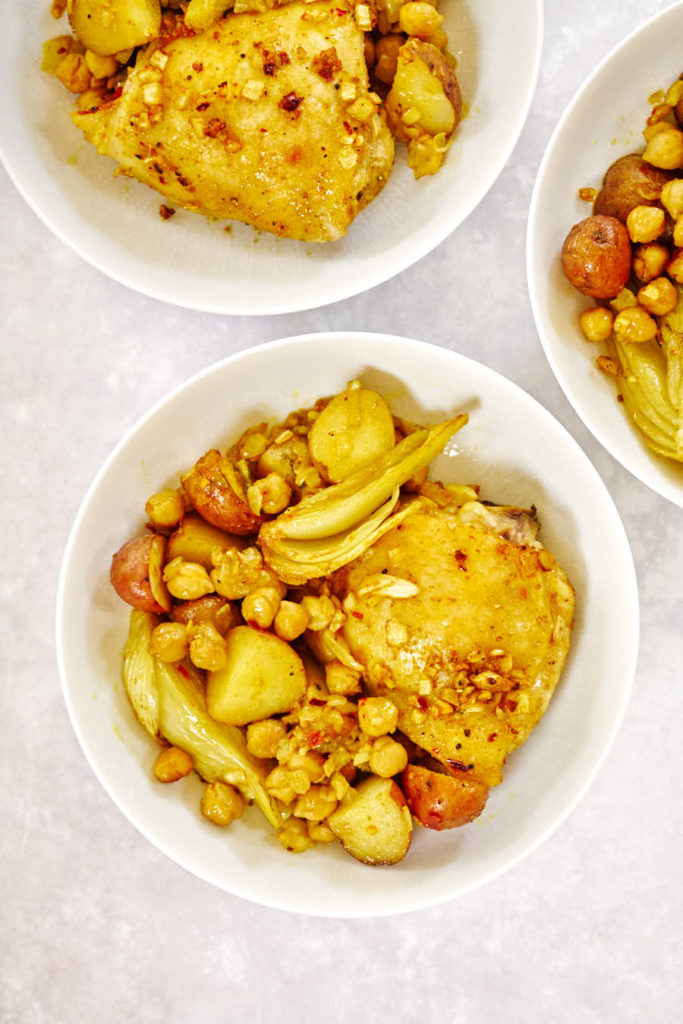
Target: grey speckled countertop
[[99, 926]]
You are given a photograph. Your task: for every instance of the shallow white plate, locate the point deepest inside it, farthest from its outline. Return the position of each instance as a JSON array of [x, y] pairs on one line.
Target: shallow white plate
[[114, 223], [520, 455], [603, 122]]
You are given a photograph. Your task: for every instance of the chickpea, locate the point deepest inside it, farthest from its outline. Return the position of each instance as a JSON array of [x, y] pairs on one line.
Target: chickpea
[[672, 197], [101, 67], [291, 620], [264, 737], [169, 641], [187, 580], [665, 149], [659, 297], [294, 836], [387, 57], [221, 804], [316, 805], [320, 611], [172, 764], [73, 72], [310, 762], [271, 495], [341, 679], [645, 223], [675, 267], [596, 323], [635, 325], [377, 715], [285, 785], [419, 19], [678, 233], [207, 646], [165, 509], [260, 607], [387, 757], [649, 261], [319, 832]]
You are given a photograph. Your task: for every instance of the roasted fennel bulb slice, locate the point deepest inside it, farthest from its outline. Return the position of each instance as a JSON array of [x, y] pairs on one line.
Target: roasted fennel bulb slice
[[138, 672], [651, 384], [218, 751], [336, 525]]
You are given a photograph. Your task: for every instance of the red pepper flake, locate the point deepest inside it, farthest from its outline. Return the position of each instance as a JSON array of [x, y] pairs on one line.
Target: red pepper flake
[[491, 738], [291, 102], [203, 106], [62, 49], [269, 68], [459, 766], [283, 58], [340, 12], [183, 671], [523, 593], [461, 559], [348, 128], [423, 703], [165, 212], [511, 705], [198, 66], [314, 738], [358, 615], [317, 703], [117, 92]]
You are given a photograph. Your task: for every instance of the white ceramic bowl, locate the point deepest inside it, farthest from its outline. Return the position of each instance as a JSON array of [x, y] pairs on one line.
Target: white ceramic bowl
[[115, 223], [603, 122], [520, 455]]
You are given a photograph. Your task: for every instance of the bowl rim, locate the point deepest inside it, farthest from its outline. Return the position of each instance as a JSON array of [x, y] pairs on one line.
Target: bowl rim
[[582, 408], [631, 634], [370, 277]]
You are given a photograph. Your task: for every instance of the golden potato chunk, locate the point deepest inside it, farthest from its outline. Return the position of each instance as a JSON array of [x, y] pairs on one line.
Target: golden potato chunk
[[353, 430], [109, 26], [195, 539], [263, 676], [374, 826]]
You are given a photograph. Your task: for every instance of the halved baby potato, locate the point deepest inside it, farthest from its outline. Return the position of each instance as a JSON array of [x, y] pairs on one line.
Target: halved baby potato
[[218, 495], [110, 26], [441, 801], [195, 539], [355, 428], [374, 825], [263, 676], [137, 574]]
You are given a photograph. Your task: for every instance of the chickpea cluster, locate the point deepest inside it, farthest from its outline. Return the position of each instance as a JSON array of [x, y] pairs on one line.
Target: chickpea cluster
[[652, 240], [206, 581]]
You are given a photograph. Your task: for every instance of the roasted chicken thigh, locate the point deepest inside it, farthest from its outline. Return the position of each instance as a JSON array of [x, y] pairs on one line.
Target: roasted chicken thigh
[[266, 118], [463, 619]]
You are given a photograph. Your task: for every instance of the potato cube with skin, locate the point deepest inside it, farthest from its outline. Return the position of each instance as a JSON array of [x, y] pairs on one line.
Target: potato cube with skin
[[263, 676], [425, 97]]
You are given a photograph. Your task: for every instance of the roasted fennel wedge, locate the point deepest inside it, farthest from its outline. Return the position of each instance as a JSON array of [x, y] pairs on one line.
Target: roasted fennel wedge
[[332, 527], [169, 701], [651, 384]]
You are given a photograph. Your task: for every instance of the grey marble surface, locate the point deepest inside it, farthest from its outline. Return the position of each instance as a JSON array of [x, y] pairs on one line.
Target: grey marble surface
[[99, 926]]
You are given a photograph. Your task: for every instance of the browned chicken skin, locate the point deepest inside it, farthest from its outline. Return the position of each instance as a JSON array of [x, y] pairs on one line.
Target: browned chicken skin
[[472, 642], [264, 118]]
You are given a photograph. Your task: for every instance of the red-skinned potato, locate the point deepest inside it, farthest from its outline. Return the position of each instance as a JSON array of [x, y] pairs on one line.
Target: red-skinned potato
[[213, 487], [443, 801], [629, 182], [596, 257], [137, 574]]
